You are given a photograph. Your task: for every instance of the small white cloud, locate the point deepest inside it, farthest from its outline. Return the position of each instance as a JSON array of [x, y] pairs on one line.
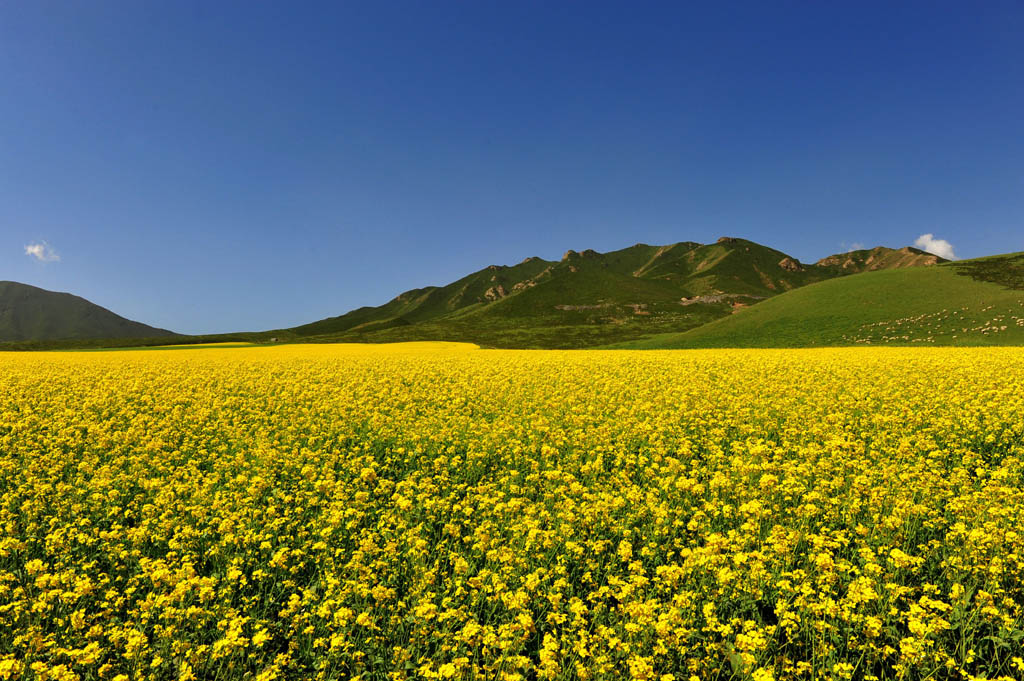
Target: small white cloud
[[42, 252], [855, 246], [939, 247]]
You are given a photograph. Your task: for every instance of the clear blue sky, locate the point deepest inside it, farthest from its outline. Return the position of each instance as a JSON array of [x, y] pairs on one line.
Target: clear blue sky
[[216, 166]]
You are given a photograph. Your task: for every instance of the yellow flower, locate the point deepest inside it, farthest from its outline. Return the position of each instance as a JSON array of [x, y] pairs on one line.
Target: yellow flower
[[448, 512]]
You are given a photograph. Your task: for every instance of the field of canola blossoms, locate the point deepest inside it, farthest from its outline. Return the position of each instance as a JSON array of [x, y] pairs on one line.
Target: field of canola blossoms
[[435, 511]]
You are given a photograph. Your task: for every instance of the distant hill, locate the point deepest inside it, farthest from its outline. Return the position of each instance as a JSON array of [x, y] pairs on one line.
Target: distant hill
[[28, 313], [589, 298], [970, 302], [879, 258]]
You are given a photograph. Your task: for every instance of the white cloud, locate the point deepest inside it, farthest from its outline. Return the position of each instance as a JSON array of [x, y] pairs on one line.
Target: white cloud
[[855, 246], [42, 252], [940, 247]]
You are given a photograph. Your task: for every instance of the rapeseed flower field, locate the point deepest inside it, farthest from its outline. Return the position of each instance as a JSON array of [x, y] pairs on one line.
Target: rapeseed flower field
[[432, 511]]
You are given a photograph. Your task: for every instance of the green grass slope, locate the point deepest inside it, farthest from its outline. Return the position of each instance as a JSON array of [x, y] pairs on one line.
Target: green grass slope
[[978, 302], [578, 302], [586, 298], [486, 285], [28, 313]]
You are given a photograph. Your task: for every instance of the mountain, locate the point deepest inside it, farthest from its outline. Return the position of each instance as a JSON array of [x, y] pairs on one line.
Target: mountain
[[589, 298], [879, 258], [28, 313], [969, 302]]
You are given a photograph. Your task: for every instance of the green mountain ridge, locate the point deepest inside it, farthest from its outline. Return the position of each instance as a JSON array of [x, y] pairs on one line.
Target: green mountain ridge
[[878, 258], [589, 298], [29, 313]]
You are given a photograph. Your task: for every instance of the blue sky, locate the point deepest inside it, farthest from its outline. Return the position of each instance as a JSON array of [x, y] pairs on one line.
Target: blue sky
[[212, 167]]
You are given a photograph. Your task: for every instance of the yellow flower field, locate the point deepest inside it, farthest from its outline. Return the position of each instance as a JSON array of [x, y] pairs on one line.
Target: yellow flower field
[[436, 511]]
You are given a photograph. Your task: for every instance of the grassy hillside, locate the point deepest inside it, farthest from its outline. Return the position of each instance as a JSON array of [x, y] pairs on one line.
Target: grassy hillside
[[589, 298], [979, 302], [28, 313], [487, 285]]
